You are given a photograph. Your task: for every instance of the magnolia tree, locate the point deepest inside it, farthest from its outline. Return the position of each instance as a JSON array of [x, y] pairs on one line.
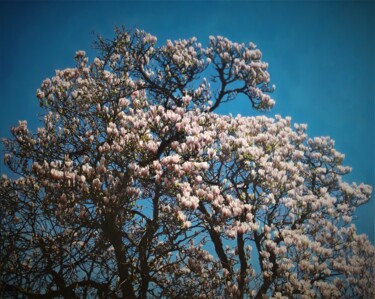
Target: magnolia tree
[[134, 188]]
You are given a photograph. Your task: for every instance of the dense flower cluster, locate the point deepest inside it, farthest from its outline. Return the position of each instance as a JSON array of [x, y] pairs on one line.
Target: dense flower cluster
[[135, 188]]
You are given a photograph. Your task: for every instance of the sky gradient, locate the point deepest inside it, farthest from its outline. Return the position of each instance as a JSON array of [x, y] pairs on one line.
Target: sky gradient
[[320, 55]]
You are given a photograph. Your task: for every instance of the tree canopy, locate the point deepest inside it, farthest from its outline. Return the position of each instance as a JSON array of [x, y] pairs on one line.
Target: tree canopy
[[133, 187]]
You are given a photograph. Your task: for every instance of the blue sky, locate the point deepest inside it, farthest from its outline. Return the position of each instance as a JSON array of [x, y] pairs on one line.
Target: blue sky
[[320, 54]]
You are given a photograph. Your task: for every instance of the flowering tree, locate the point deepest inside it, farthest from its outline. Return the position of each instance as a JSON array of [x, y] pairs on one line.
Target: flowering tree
[[135, 188]]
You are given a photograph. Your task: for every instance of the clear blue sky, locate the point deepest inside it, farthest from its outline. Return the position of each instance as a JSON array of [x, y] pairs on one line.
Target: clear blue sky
[[321, 57]]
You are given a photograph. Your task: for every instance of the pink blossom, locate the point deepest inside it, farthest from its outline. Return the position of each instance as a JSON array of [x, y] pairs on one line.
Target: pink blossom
[[96, 184]]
